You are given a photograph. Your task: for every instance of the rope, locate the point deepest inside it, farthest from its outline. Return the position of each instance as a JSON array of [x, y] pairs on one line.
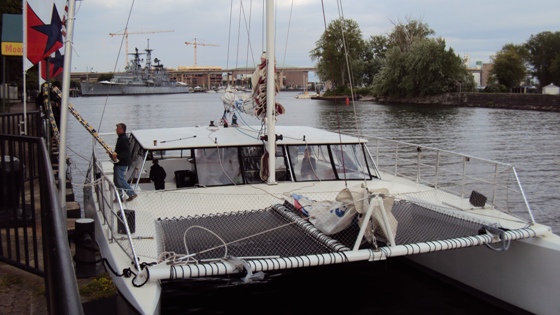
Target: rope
[[288, 35], [84, 123], [229, 34], [117, 60]]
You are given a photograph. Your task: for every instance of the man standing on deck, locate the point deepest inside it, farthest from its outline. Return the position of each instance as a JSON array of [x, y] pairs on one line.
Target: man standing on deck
[[122, 154]]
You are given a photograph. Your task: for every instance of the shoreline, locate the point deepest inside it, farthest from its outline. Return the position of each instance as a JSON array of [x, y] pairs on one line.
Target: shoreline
[[540, 102]]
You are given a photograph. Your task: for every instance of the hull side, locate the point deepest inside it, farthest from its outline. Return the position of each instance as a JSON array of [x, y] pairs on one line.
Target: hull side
[[145, 299], [435, 224], [526, 275], [89, 89]]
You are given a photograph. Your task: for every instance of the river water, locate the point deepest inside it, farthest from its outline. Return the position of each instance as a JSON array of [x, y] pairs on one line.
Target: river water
[[526, 139]]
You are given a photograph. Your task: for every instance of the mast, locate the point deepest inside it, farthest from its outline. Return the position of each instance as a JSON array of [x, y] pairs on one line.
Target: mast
[[64, 104], [270, 93], [148, 66]]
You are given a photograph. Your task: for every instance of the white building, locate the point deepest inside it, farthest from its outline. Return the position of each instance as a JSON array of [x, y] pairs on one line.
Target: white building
[[551, 89]]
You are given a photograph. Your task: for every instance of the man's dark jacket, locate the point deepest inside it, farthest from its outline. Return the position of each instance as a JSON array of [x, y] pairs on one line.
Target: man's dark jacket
[[122, 148]]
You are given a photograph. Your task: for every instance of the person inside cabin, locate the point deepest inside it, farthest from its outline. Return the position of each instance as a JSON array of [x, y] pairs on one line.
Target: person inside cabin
[[122, 154], [308, 166], [157, 175]]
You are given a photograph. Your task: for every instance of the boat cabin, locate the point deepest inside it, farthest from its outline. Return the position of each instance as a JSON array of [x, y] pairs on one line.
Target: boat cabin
[[218, 156]]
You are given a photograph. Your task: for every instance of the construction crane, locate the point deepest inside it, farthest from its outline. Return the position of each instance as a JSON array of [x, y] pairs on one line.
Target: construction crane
[[126, 33], [196, 43]]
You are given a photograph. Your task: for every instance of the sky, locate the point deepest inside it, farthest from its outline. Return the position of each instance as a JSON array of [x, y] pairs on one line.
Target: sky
[[475, 28]]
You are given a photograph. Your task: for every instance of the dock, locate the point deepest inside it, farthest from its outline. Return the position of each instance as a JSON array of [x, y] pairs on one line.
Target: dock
[[23, 272], [72, 206]]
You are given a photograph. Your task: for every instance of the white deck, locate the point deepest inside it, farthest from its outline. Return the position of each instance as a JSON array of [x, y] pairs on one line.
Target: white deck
[[147, 242]]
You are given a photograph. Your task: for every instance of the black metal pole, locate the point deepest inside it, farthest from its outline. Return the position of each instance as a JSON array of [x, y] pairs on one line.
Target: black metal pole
[[4, 84]]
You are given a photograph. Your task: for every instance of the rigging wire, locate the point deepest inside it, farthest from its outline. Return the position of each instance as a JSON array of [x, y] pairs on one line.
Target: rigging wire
[[114, 70], [229, 34], [288, 34], [350, 73], [328, 52], [248, 31], [263, 23], [248, 27], [117, 60], [238, 35]]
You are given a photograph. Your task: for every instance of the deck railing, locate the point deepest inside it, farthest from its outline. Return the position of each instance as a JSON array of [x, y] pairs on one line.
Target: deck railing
[[453, 173], [115, 217], [33, 233]]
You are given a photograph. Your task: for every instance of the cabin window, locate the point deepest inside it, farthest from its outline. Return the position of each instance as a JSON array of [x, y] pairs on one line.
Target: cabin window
[[135, 149], [251, 158], [282, 173], [251, 163], [218, 166], [311, 162], [350, 162], [168, 154], [137, 157]]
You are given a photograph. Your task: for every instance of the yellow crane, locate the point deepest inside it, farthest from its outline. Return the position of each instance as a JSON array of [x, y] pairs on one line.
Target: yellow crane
[[126, 33], [196, 43]]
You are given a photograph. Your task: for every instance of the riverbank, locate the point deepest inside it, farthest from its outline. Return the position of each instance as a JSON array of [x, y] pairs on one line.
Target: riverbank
[[540, 102]]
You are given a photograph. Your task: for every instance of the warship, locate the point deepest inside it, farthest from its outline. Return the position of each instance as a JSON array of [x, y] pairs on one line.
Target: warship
[[137, 80]]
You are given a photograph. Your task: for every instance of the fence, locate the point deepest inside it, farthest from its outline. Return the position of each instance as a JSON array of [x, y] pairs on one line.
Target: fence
[[33, 233]]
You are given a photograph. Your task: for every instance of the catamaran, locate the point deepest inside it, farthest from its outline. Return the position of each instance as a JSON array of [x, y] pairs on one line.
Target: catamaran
[[246, 201]]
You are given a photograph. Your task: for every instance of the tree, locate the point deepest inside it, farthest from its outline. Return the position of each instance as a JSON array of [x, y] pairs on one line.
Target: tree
[[105, 77], [416, 65], [374, 54], [509, 69], [388, 80], [404, 35], [341, 42], [544, 57], [433, 70], [11, 6]]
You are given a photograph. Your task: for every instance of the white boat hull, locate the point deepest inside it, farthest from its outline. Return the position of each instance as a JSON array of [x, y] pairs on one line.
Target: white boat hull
[[146, 298], [526, 275]]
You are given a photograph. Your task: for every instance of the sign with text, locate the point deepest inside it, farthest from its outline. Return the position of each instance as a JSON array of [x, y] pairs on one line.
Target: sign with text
[[12, 49], [12, 35]]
